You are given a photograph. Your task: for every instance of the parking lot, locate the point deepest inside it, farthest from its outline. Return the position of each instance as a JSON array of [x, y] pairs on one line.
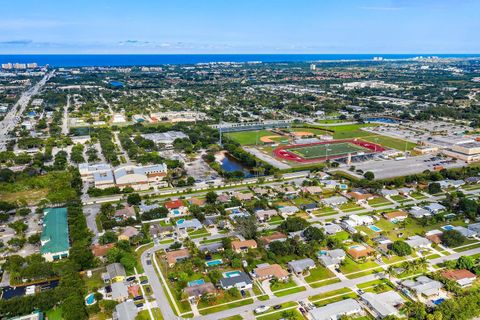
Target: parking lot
[[383, 169]]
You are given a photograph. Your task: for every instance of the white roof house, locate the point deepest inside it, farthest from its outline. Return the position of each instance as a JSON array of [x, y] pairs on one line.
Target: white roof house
[[336, 310], [424, 286], [332, 228], [331, 258], [418, 212], [299, 266], [435, 207], [288, 210], [334, 201], [388, 192], [354, 220], [418, 242], [384, 304]]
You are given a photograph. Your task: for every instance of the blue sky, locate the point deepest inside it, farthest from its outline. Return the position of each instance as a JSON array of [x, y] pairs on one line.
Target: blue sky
[[241, 26]]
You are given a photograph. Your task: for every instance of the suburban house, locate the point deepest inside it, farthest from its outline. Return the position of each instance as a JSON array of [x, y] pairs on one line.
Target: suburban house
[[244, 196], [158, 231], [211, 247], [148, 207], [125, 311], [463, 277], [418, 242], [265, 215], [128, 233], [331, 258], [176, 208], [125, 213], [100, 251], [239, 280], [331, 228], [313, 190], [354, 220], [384, 304], [336, 310], [288, 210], [276, 236], [395, 216], [267, 271], [435, 208], [334, 201], [360, 252], [55, 243], [119, 291], [424, 287], [418, 212], [300, 266], [388, 192], [196, 291], [243, 246], [358, 196], [116, 272], [197, 201], [173, 257]]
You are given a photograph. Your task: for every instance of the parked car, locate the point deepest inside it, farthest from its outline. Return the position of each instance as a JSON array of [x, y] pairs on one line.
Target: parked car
[[261, 309], [277, 307]]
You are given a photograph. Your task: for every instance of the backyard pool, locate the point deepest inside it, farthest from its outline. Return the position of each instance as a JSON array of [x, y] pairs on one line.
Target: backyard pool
[[181, 221], [375, 228], [195, 282], [438, 301], [447, 227], [176, 212], [231, 274], [90, 299], [214, 263]]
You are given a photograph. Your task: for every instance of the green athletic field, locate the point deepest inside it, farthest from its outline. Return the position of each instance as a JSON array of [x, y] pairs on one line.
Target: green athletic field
[[329, 150]]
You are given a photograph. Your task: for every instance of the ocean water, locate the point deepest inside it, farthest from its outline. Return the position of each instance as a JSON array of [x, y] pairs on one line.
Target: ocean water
[[85, 60]]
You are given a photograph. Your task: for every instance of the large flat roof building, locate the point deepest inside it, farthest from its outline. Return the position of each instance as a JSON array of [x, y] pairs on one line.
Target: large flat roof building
[[55, 244]]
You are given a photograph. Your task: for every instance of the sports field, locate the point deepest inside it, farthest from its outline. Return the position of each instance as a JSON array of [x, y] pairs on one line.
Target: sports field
[[327, 150], [320, 151]]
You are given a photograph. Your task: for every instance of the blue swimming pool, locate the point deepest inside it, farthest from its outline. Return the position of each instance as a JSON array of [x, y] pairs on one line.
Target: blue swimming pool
[[375, 228], [195, 282], [90, 299], [447, 227], [181, 221], [231, 274], [438, 301], [214, 263], [176, 212]]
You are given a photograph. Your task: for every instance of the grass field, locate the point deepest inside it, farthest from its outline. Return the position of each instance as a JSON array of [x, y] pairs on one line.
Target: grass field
[[249, 137], [323, 150], [391, 142]]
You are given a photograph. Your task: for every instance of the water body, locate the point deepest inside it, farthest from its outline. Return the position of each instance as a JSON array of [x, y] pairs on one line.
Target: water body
[[86, 60], [230, 164]]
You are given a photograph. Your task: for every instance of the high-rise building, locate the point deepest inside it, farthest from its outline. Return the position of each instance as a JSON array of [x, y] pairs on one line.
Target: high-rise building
[[313, 67], [7, 66]]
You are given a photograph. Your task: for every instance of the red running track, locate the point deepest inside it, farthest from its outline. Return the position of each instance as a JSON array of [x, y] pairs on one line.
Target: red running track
[[283, 152]]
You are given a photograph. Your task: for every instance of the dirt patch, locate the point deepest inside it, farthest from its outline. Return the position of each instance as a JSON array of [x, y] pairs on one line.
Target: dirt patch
[[268, 139]]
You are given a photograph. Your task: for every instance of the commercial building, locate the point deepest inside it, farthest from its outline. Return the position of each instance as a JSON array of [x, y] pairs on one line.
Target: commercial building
[[54, 239], [166, 138], [140, 177]]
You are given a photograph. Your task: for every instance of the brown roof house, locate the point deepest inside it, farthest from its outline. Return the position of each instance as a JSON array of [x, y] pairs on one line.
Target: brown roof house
[[360, 196], [276, 236], [360, 252], [125, 213], [243, 246], [395, 216], [173, 257], [463, 277], [128, 233], [267, 271], [100, 251], [198, 290]]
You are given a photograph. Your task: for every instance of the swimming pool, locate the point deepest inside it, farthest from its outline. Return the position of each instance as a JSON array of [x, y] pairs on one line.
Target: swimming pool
[[214, 263], [438, 301], [447, 227], [181, 221], [176, 212], [375, 228], [195, 282], [231, 274], [90, 299]]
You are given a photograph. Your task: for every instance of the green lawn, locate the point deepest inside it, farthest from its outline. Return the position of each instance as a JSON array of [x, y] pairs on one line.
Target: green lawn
[[319, 273], [289, 291], [54, 314], [292, 314], [349, 131], [350, 266], [280, 285], [324, 283], [226, 306], [379, 202], [329, 294], [350, 207], [391, 142], [249, 137]]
